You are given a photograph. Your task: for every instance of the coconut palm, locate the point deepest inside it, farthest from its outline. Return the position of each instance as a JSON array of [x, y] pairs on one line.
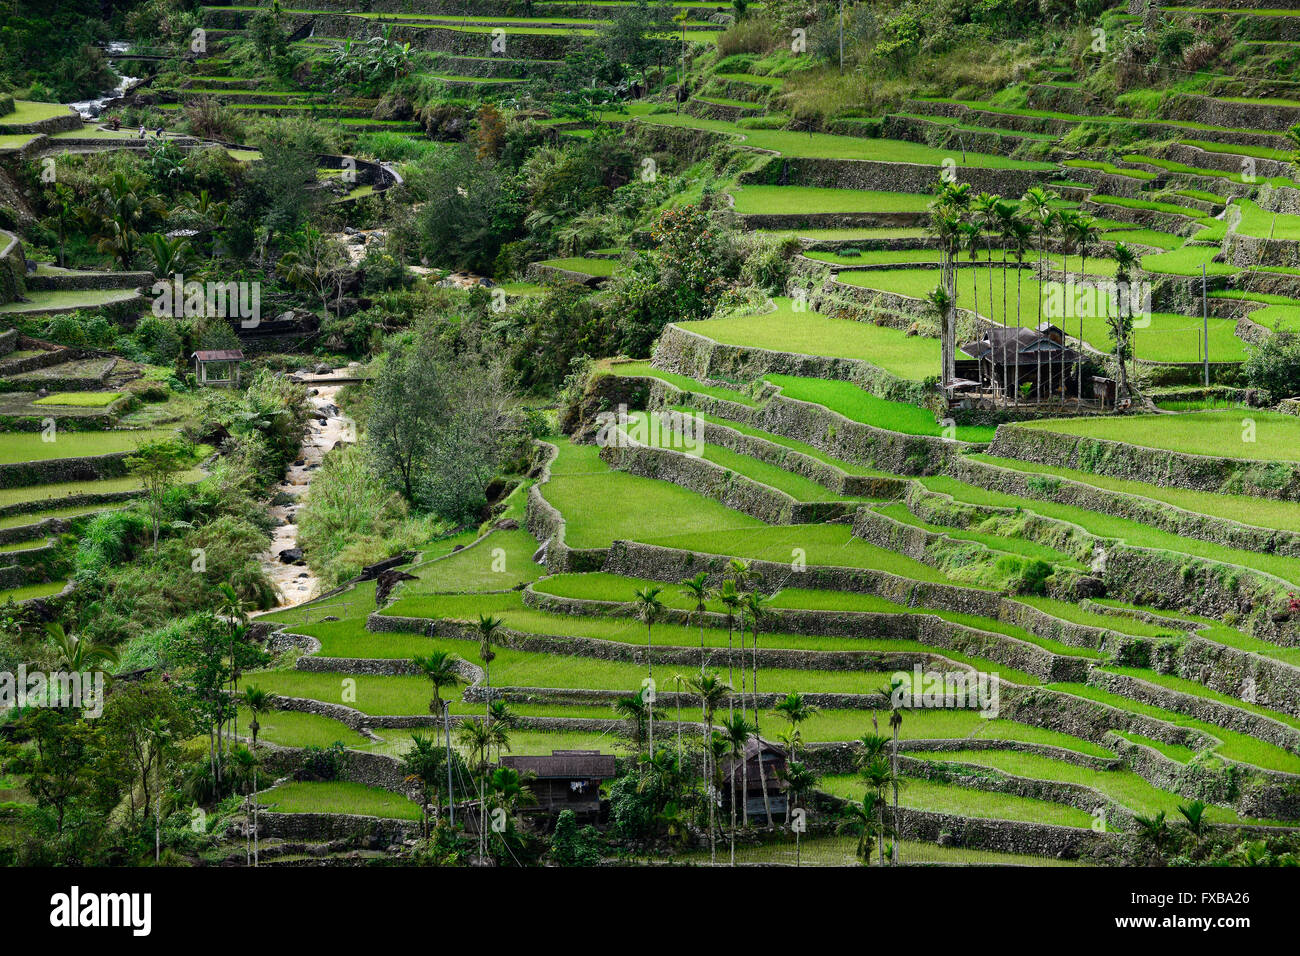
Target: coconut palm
[[697, 591], [476, 737], [649, 608], [487, 627], [1083, 229], [737, 732], [1038, 203], [795, 709], [1022, 234], [984, 209]]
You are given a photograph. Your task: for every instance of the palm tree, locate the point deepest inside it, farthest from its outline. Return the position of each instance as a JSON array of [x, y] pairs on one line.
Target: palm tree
[[730, 599], [1120, 319], [756, 610], [77, 654], [441, 670], [878, 777], [64, 200], [1005, 213], [712, 691], [1022, 233], [859, 819], [679, 681], [795, 709], [476, 737], [737, 732], [234, 609], [1193, 818], [697, 591], [895, 723], [984, 207], [1038, 201], [256, 700], [800, 780], [649, 608], [633, 709], [1154, 831], [1084, 230], [169, 255], [421, 764]]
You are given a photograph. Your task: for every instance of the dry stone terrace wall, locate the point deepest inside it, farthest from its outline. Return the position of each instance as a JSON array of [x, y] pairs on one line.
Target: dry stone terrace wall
[[887, 176], [1169, 469], [633, 559], [546, 524], [1229, 671], [1158, 514], [713, 481], [90, 468], [314, 827], [926, 629], [1210, 711], [814, 469]]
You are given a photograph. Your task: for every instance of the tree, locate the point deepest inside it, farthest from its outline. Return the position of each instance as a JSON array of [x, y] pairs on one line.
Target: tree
[[697, 591], [860, 819], [712, 691], [1193, 821], [256, 700], [1038, 202], [313, 263], [1154, 832], [795, 709], [146, 723], [64, 201], [1083, 229], [571, 846], [757, 612], [423, 764], [156, 464], [440, 426], [77, 655], [800, 780], [1119, 319], [440, 669], [649, 608], [633, 709], [730, 600], [169, 255], [737, 731]]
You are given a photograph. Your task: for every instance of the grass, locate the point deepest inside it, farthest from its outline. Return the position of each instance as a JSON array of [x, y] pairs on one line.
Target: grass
[[809, 200], [1260, 512], [858, 405], [1166, 338], [80, 399], [1123, 786], [1188, 261], [831, 146], [1144, 237], [1111, 168], [339, 797], [1220, 633], [29, 591], [1261, 223], [963, 801], [997, 542], [26, 111], [591, 267], [498, 562], [53, 492], [1121, 529], [842, 851], [911, 357], [1276, 437], [774, 476], [291, 728], [688, 385], [1149, 204], [1067, 611], [20, 520], [802, 447], [1233, 746], [1174, 752], [1195, 689], [31, 446], [832, 725], [42, 301], [597, 503]]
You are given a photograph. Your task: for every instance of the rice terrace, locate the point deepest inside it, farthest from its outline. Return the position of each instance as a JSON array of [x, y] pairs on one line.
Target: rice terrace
[[594, 433]]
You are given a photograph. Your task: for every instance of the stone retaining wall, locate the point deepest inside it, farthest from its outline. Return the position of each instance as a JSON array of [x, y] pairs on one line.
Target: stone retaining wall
[[1169, 469], [888, 176]]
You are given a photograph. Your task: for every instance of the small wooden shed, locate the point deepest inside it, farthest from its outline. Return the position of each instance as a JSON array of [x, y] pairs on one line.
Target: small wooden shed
[[218, 366]]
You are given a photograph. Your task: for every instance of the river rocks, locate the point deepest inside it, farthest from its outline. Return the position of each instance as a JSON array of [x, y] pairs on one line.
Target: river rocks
[[291, 556]]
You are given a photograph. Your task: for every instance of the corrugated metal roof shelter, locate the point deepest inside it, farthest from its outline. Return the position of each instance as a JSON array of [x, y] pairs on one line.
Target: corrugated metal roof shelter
[[217, 366]]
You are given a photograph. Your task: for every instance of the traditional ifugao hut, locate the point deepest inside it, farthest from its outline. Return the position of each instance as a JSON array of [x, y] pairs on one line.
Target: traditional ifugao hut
[[1032, 364], [763, 762], [566, 779]]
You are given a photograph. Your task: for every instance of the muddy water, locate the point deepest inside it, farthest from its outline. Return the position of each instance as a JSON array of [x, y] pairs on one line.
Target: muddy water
[[296, 583]]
